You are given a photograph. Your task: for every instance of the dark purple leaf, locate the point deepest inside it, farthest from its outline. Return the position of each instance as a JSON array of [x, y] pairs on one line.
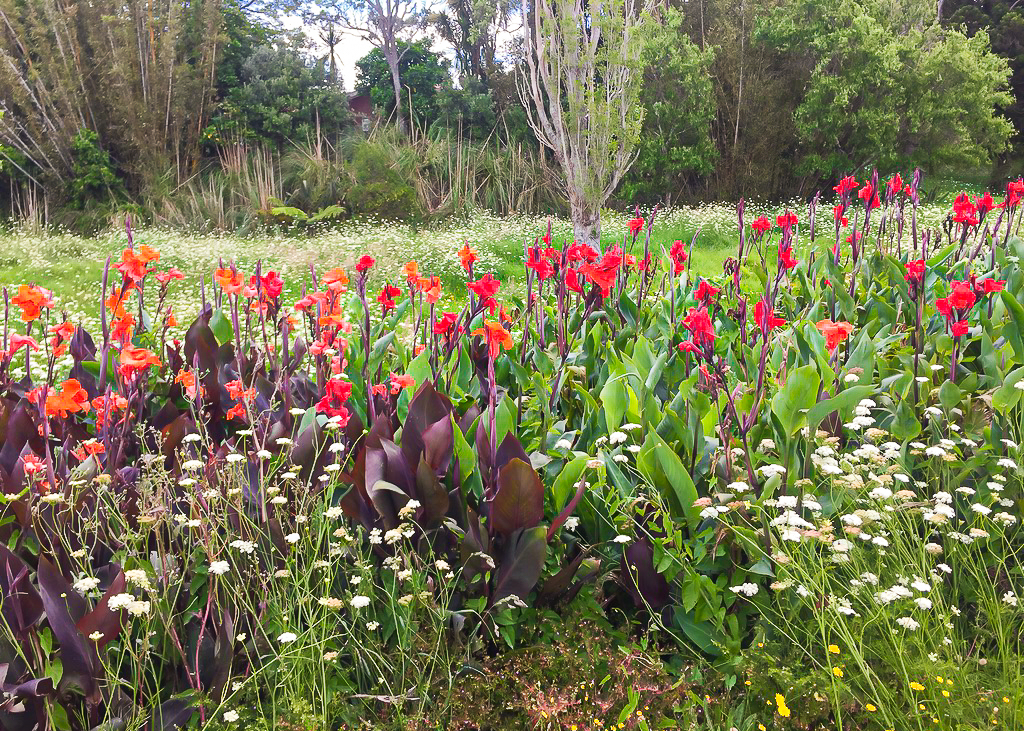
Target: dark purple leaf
[[521, 564], [519, 501]]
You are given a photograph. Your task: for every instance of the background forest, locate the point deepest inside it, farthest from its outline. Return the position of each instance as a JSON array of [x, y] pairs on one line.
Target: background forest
[[209, 116]]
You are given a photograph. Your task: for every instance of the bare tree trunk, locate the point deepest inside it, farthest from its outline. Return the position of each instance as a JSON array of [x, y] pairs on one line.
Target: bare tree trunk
[[586, 221], [391, 55], [739, 94]]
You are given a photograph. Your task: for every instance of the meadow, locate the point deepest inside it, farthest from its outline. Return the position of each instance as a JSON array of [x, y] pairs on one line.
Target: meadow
[[476, 477]]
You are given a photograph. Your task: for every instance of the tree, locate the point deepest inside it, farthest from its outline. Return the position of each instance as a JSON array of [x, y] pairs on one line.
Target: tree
[[424, 74], [138, 73], [678, 97], [581, 89], [388, 25], [1003, 21], [889, 87], [471, 27], [281, 98]]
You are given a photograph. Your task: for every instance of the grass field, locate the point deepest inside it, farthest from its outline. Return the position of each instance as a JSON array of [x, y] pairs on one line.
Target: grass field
[[72, 265]]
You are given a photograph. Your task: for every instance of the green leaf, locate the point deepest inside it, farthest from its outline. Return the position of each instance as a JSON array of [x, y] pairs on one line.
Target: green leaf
[[221, 327], [614, 399], [949, 395], [565, 483], [463, 452], [841, 402], [905, 425], [795, 398], [661, 466], [1014, 334]]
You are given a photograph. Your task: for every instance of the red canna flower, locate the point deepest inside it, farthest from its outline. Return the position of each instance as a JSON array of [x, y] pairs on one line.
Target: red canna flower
[[364, 263], [572, 281], [764, 317], [32, 464], [636, 225], [985, 203], [698, 322], [387, 297], [992, 285], [485, 288], [846, 185], [540, 264], [895, 185], [786, 258], [496, 336], [581, 252], [837, 213], [446, 324], [678, 255], [944, 308], [761, 225], [272, 284], [705, 292], [959, 328], [172, 273], [21, 341], [965, 211], [603, 272], [787, 220], [402, 381], [915, 271], [834, 332], [333, 402], [962, 296]]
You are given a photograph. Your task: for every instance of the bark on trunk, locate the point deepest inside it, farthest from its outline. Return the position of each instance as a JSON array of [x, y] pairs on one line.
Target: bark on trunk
[[586, 223], [392, 59]]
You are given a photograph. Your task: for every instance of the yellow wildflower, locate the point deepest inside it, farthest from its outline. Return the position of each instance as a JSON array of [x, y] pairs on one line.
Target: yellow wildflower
[[838, 672], [871, 708], [834, 649], [780, 701], [914, 685]]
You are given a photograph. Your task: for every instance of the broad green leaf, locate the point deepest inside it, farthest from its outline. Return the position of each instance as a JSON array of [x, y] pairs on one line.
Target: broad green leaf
[[220, 324], [795, 398]]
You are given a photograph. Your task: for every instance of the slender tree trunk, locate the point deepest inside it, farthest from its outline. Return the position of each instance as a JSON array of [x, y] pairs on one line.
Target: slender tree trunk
[[391, 55]]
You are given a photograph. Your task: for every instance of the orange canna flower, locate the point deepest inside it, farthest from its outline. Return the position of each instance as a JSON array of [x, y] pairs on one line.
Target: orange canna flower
[[135, 359], [124, 326], [412, 273], [467, 256], [32, 299], [431, 286], [402, 381], [68, 398], [336, 279], [133, 264], [834, 332], [187, 379], [171, 320], [229, 280], [497, 338]]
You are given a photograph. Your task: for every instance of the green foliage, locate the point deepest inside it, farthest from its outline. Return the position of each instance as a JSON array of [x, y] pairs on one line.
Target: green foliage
[[380, 190], [282, 98], [675, 144], [887, 86], [423, 72], [469, 110], [94, 178]]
